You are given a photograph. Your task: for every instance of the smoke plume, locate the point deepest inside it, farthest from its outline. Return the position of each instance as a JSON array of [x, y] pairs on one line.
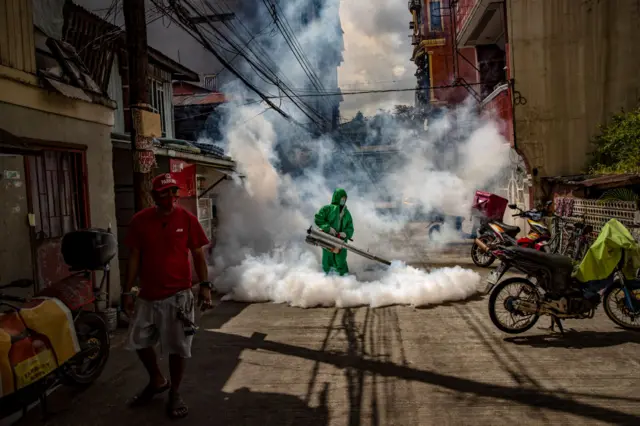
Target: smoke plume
[[288, 175], [261, 254]]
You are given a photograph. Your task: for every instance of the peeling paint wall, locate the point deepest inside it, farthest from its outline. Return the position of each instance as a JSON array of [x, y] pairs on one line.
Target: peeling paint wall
[[576, 63], [15, 250]]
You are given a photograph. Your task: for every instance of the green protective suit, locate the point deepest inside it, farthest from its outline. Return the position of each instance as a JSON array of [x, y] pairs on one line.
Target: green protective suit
[[333, 216], [605, 253]]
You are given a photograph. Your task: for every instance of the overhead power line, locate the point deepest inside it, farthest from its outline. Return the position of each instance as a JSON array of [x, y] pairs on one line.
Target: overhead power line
[[180, 16], [289, 35], [364, 92], [257, 64]]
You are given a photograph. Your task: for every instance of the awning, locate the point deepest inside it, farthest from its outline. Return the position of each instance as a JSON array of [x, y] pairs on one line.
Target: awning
[[67, 90], [213, 98], [12, 144], [227, 175]]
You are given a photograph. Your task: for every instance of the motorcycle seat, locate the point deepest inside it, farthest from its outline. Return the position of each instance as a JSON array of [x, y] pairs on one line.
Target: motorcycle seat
[[510, 230], [556, 262]]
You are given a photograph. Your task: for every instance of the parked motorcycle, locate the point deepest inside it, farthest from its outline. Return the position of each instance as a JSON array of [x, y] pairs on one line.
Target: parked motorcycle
[[607, 275], [494, 232], [59, 336]]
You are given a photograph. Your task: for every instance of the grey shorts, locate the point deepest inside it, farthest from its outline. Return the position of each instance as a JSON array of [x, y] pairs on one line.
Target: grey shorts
[[157, 321]]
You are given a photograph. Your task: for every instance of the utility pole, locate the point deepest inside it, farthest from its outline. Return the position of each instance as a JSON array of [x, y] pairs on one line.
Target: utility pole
[[145, 125]]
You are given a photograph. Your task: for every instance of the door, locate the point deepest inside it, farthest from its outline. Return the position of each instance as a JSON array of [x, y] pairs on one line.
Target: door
[[57, 184], [15, 250]]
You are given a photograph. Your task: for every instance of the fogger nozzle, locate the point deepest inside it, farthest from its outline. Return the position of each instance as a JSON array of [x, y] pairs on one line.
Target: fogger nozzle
[[318, 238]]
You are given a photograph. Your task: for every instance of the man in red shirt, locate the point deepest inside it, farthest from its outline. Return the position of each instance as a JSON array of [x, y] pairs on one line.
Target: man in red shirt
[[160, 239]]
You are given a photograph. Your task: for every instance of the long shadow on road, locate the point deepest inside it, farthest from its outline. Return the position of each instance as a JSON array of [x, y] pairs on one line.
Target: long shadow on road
[[577, 339], [216, 356], [526, 396]]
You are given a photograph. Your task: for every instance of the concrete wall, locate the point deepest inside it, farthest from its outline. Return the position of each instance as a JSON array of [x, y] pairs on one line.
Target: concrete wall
[[15, 251], [35, 124], [576, 63]]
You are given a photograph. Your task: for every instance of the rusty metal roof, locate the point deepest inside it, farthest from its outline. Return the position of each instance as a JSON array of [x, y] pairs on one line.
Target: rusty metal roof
[[199, 99], [591, 181]]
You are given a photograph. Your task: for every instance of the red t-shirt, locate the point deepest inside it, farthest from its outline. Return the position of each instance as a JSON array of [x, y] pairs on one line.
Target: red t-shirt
[[164, 242]]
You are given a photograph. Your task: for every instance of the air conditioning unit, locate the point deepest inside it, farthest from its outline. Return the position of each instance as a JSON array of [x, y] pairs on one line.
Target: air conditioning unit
[[210, 82]]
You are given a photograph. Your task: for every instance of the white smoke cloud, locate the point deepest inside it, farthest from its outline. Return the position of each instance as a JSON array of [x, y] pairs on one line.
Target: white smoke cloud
[[261, 254]]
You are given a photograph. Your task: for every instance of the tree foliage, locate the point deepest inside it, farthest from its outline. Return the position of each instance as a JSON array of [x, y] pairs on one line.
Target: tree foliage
[[617, 146]]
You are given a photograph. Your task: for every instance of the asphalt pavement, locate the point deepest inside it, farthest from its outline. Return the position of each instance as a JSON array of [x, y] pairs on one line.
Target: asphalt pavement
[[268, 364]]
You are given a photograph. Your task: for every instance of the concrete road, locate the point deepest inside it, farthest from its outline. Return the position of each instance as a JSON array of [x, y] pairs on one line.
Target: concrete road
[[266, 364]]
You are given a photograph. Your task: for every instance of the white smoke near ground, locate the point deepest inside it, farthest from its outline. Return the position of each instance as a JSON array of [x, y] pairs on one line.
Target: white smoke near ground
[[260, 252]]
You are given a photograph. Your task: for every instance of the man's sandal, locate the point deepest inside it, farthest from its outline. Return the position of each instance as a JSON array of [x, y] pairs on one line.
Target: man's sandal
[[148, 393], [176, 408]]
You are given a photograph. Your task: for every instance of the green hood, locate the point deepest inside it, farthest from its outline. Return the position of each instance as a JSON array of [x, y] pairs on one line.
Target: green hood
[[337, 196]]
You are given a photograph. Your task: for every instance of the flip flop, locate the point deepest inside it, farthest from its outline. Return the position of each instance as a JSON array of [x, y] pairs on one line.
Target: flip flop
[[176, 408], [148, 393]]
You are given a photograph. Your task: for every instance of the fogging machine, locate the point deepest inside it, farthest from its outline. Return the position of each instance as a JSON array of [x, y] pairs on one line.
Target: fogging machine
[[318, 238]]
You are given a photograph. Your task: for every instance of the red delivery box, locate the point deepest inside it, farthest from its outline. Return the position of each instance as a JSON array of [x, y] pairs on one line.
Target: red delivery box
[[492, 206]]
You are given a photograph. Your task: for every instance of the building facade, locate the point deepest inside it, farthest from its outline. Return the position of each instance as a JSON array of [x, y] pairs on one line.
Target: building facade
[[199, 167], [55, 146], [551, 71]]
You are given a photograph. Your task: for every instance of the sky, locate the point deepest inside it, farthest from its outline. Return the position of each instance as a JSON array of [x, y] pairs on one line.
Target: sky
[[377, 55]]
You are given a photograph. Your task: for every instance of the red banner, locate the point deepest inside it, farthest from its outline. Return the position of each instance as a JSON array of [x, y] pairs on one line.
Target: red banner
[[185, 174]]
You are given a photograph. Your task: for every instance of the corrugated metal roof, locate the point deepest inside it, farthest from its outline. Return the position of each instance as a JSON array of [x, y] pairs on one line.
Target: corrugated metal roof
[[199, 99], [180, 145], [597, 180]]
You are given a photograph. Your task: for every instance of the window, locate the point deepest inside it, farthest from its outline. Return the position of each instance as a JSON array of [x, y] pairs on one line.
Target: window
[[160, 98], [58, 193], [435, 16], [157, 100]]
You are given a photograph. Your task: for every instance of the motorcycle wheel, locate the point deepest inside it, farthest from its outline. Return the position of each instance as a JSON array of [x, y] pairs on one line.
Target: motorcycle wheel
[[93, 334], [499, 299], [480, 258], [615, 307]]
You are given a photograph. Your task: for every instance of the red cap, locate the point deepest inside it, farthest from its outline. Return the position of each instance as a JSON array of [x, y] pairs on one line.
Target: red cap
[[164, 181]]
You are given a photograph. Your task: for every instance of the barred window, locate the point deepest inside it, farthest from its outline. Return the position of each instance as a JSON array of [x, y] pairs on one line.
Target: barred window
[[58, 193]]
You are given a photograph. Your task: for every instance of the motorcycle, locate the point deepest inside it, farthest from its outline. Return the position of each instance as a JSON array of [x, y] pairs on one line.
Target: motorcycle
[[551, 288], [494, 232], [58, 336]]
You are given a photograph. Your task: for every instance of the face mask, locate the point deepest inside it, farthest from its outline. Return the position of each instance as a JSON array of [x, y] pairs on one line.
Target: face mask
[[166, 203], [343, 201]]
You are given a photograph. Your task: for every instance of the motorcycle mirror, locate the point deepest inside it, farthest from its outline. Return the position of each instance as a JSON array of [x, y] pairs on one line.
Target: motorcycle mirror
[[513, 206]]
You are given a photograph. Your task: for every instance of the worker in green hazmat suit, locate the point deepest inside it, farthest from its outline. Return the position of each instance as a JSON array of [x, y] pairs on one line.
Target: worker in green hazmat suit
[[335, 219]]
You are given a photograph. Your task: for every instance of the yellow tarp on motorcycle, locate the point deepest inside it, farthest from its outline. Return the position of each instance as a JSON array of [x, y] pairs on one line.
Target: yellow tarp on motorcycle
[[605, 253], [47, 317]]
